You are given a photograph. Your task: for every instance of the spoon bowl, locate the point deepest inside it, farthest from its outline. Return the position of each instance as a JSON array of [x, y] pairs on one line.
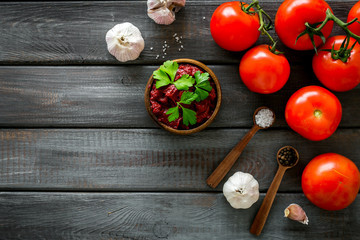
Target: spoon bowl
[[291, 151], [267, 114]]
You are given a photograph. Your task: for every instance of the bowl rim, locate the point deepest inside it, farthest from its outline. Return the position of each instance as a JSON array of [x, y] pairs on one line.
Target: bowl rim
[[207, 122]]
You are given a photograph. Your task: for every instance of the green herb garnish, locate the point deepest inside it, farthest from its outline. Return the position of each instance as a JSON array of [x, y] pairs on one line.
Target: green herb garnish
[[185, 82], [165, 75], [189, 116], [202, 87]]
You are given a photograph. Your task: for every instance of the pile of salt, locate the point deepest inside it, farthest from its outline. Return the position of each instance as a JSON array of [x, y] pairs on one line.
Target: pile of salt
[[264, 118]]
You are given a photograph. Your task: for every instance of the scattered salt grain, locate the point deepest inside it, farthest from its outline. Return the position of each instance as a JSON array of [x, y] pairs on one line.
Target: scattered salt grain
[[157, 56], [204, 18], [163, 56], [264, 118], [151, 48], [174, 34]]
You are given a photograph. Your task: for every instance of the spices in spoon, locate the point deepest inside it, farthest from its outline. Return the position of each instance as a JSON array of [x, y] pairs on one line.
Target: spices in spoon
[[287, 156], [264, 118]]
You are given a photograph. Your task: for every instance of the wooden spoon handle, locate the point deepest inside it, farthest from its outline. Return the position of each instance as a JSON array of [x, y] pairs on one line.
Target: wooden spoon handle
[[215, 178], [264, 210]]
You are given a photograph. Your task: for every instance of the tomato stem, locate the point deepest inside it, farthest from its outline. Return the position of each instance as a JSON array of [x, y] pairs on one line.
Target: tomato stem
[[266, 23], [343, 54], [317, 113]]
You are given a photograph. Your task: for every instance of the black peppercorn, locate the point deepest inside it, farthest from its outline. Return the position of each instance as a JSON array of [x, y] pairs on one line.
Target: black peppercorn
[[287, 156]]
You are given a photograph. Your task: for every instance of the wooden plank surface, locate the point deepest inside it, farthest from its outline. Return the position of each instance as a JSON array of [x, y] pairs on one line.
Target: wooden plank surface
[[113, 97], [79, 126], [36, 215], [150, 160], [74, 32]]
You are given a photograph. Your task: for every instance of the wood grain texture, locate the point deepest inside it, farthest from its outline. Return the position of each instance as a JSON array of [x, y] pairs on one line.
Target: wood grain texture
[[74, 32], [151, 160], [161, 216], [113, 97]]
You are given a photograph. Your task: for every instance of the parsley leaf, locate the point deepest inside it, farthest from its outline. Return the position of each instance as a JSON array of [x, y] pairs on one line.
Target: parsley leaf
[[188, 97], [201, 77], [173, 112], [189, 116], [170, 67], [166, 73], [202, 87], [202, 94], [162, 79], [185, 82]]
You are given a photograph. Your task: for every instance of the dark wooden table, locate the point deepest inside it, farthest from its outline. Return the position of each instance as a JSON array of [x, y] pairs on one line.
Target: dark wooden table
[[76, 142]]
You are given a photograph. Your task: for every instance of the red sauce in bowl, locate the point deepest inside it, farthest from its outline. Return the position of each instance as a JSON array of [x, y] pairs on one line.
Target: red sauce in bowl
[[166, 97]]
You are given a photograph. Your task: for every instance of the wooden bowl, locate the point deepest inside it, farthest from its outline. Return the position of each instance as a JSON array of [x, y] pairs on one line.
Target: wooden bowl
[[202, 126]]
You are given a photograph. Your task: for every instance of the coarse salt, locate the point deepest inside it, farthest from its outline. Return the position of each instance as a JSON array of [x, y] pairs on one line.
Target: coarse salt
[[264, 118]]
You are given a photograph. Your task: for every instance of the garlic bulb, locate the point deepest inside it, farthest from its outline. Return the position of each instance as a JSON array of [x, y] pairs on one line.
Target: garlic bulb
[[163, 11], [295, 212], [124, 41], [241, 190]]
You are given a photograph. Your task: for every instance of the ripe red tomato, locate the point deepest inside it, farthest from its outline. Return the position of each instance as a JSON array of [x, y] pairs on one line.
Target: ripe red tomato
[[290, 21], [263, 71], [313, 112], [354, 13], [335, 74], [331, 181], [233, 29]]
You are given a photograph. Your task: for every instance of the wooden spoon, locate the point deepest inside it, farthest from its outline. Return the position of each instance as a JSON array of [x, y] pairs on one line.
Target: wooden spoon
[[224, 167], [264, 210]]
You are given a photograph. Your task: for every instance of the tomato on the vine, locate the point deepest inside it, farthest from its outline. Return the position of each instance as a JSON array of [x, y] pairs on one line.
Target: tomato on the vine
[[313, 112], [232, 28], [331, 181], [335, 74], [354, 13], [263, 71], [290, 21]]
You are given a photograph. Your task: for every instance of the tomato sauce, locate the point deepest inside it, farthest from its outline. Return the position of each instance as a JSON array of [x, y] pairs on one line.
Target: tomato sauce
[[166, 97]]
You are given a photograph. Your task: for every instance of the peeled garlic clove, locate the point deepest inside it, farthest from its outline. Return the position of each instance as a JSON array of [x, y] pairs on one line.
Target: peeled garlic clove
[[163, 11], [124, 41], [295, 212]]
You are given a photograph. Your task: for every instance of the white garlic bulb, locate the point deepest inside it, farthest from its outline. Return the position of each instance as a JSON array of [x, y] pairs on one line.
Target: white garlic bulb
[[163, 11], [241, 190], [124, 41]]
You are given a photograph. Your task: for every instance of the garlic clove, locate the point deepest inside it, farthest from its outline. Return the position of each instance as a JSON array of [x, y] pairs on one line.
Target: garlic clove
[[124, 42], [295, 212], [163, 11], [241, 190]]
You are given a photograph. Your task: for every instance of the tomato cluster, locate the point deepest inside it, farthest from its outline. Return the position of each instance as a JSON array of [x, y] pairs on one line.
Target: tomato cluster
[[313, 111]]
